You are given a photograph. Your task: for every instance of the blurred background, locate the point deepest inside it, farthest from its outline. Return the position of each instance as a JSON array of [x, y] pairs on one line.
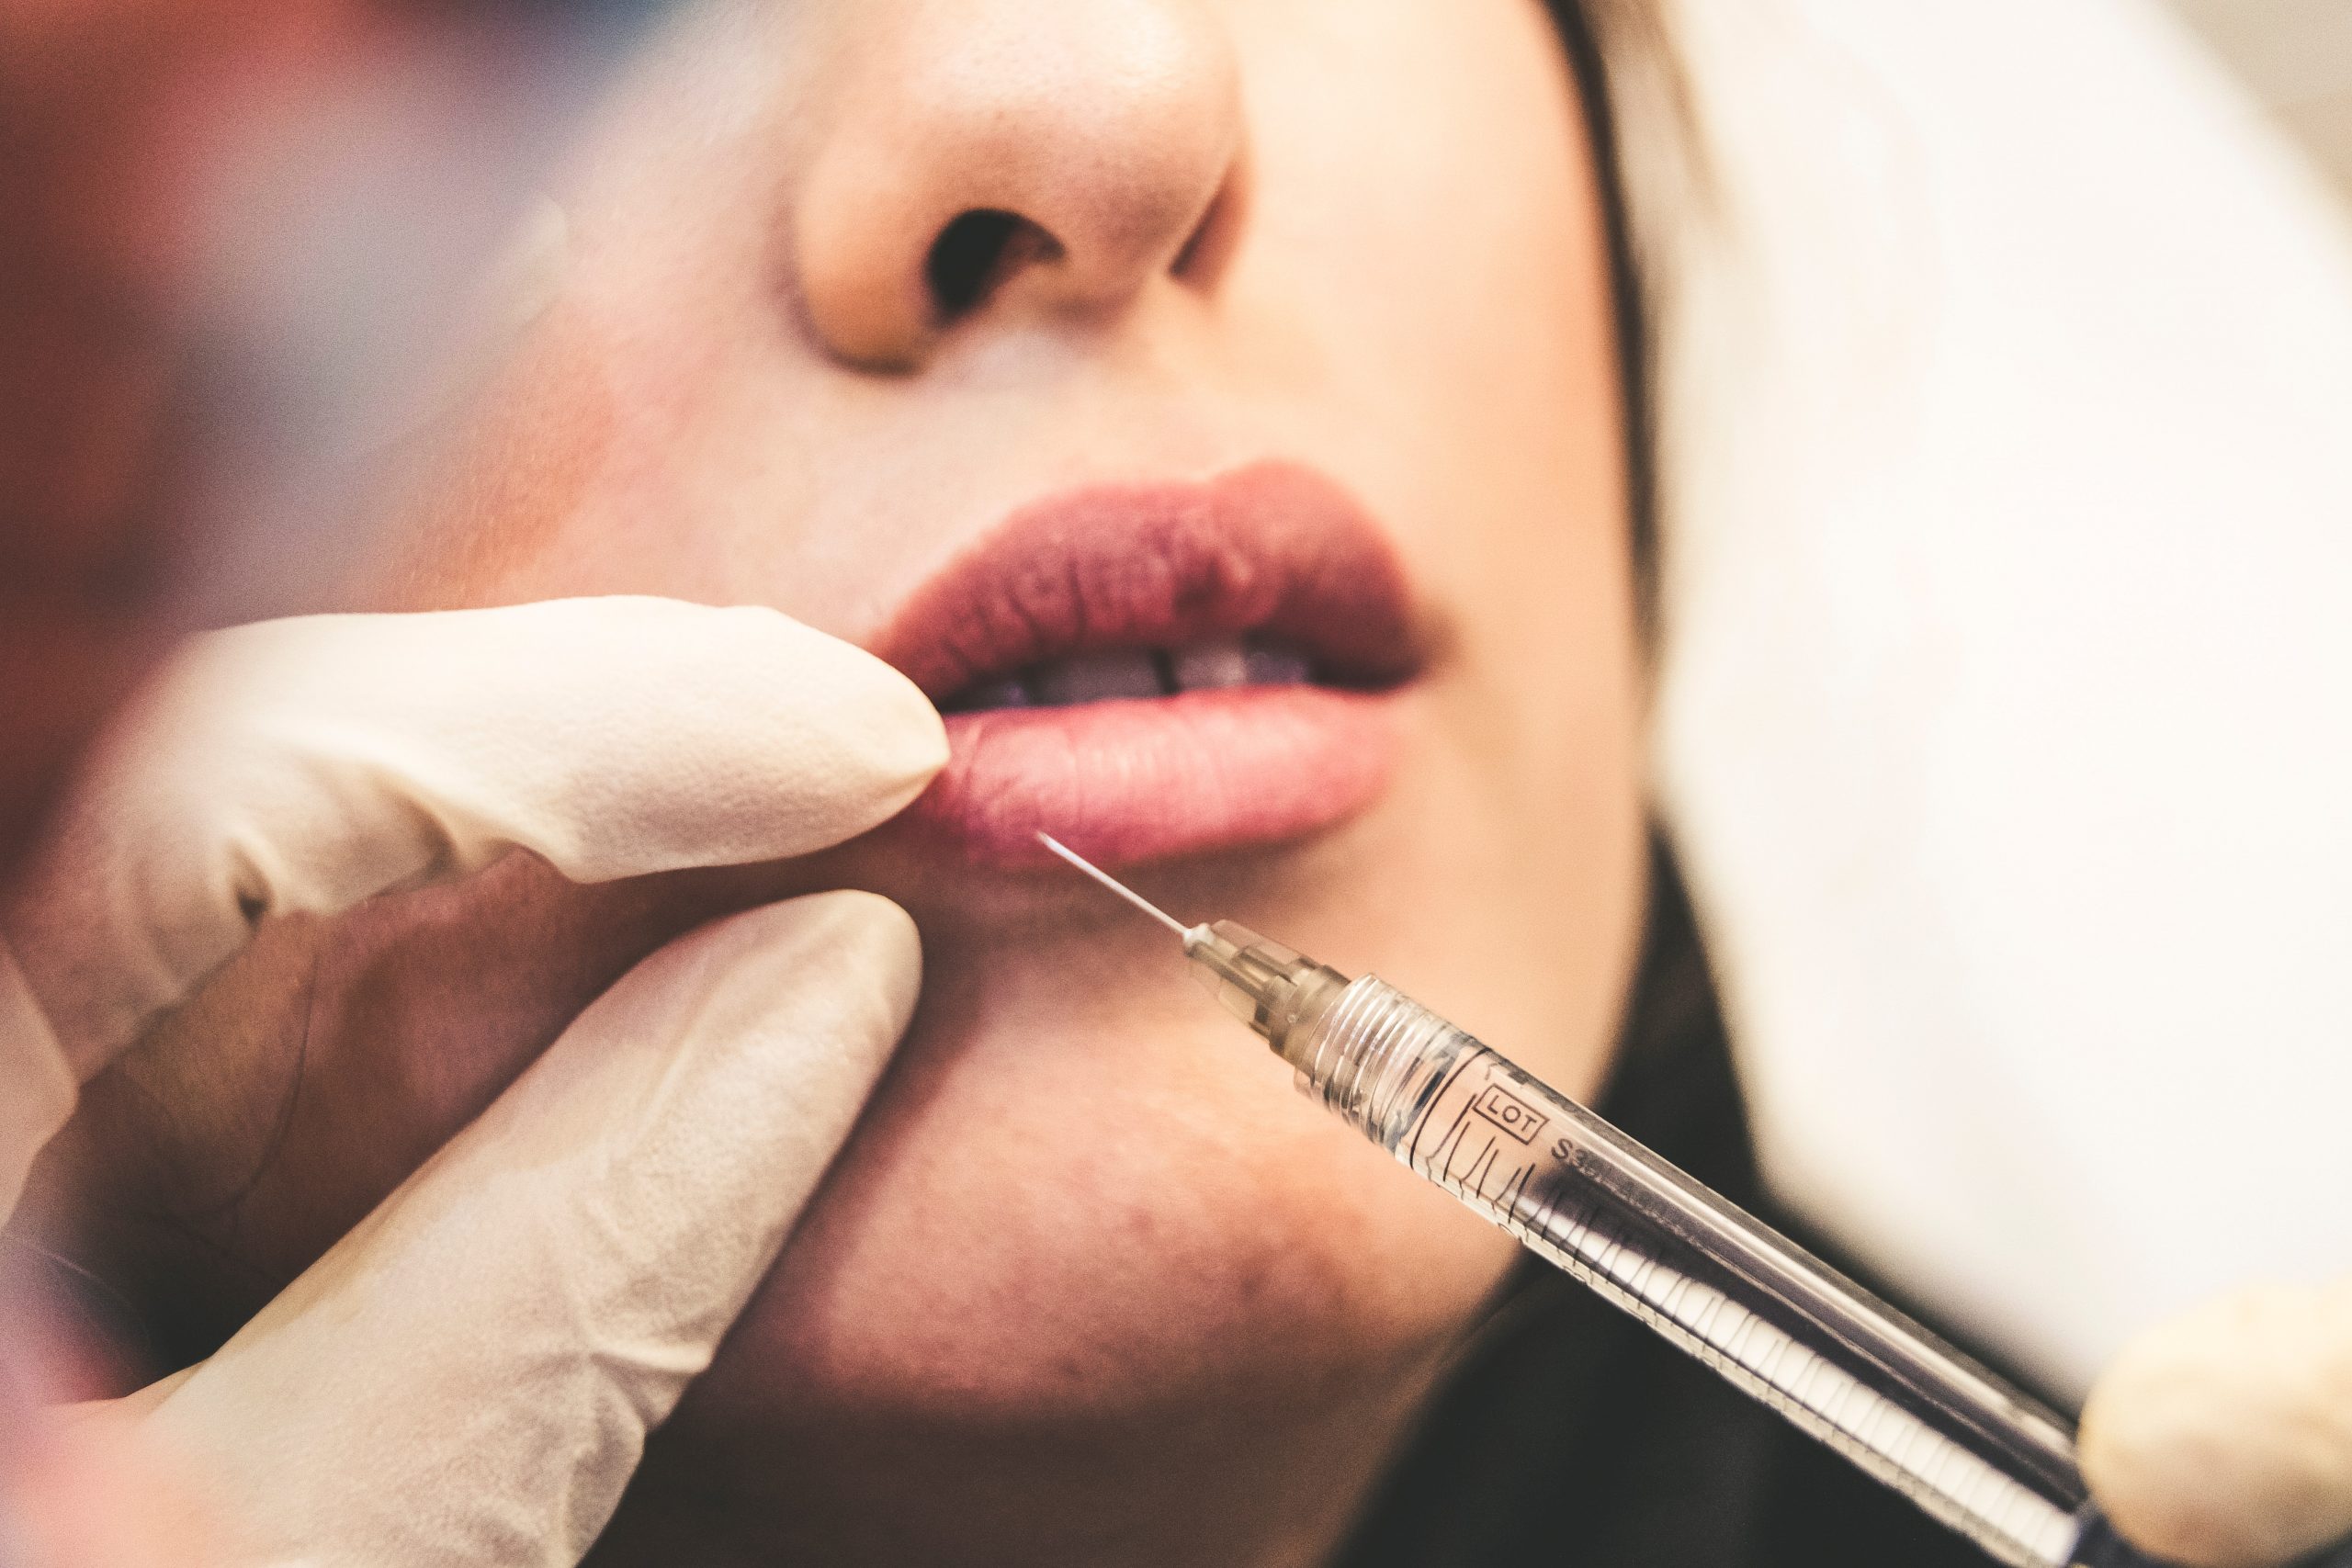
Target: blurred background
[[2297, 56]]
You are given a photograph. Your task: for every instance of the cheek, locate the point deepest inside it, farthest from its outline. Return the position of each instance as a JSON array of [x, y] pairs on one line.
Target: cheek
[[514, 481], [1431, 277], [1424, 232]]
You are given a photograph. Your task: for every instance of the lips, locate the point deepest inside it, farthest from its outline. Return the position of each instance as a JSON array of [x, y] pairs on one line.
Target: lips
[[1151, 671]]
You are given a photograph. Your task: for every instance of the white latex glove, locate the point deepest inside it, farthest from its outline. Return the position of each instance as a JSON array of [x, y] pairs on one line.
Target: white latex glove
[[468, 1377], [2223, 1437]]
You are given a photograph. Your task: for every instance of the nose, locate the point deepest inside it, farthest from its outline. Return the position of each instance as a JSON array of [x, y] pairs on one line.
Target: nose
[[1013, 160]]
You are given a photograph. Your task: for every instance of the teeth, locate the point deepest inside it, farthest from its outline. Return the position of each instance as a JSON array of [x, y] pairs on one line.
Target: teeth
[[1276, 667], [1098, 678], [1218, 664], [1211, 666]]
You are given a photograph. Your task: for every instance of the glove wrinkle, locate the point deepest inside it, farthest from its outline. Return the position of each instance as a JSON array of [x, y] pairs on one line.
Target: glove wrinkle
[[37, 1084]]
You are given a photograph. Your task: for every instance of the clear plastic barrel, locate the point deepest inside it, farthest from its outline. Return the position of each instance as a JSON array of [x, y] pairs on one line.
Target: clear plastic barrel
[[1832, 1359]]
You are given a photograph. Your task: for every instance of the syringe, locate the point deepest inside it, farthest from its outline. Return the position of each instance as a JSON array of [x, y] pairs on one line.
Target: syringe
[[1845, 1367]]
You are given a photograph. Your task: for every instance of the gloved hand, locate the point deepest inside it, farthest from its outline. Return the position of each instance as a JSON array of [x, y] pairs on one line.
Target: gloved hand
[[469, 1376], [2223, 1439]]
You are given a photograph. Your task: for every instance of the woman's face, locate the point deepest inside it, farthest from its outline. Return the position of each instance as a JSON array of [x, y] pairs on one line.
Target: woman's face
[[1283, 319]]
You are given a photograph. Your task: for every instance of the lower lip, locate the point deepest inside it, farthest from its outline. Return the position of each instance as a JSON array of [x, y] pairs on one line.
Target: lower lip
[[1125, 783]]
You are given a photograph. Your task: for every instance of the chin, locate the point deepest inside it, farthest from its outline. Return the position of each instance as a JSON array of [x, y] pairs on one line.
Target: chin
[[1075, 1201], [1074, 1235]]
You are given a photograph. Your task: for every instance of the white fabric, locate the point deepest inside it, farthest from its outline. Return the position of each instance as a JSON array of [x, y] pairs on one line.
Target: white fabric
[[469, 1377], [2006, 713]]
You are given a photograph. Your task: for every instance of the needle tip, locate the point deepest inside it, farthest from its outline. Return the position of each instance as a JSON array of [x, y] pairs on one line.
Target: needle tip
[[1113, 882]]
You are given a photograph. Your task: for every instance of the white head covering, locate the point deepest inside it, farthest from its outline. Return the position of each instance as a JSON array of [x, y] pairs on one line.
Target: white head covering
[[2006, 716]]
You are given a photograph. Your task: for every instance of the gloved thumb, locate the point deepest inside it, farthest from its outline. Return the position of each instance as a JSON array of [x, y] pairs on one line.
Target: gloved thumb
[[469, 1375], [2223, 1439]]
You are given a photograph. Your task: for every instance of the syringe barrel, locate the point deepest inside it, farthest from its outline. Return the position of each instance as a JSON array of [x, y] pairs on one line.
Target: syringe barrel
[[1785, 1328]]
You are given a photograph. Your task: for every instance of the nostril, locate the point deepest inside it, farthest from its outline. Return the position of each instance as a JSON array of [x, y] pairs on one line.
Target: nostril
[[1212, 241], [977, 252]]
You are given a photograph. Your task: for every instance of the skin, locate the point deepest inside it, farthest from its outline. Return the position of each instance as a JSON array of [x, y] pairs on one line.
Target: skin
[[1089, 1284]]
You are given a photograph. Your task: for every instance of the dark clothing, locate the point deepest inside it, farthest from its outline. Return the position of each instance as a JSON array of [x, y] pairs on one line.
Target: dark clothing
[[1570, 1434]]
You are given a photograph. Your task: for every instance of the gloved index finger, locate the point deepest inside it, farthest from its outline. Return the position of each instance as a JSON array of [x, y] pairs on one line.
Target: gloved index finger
[[305, 766]]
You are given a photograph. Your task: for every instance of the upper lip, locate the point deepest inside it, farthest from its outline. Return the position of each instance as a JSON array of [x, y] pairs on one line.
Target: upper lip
[[1274, 548]]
